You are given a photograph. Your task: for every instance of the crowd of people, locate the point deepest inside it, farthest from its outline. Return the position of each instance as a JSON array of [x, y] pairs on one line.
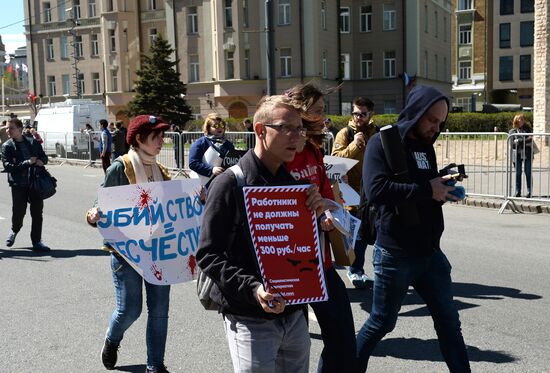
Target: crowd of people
[[264, 333]]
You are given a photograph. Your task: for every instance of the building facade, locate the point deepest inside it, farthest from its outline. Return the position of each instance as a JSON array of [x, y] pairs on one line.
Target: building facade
[[492, 53], [378, 49]]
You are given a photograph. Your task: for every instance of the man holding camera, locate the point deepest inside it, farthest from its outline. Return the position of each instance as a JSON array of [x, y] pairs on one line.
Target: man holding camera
[[408, 252]]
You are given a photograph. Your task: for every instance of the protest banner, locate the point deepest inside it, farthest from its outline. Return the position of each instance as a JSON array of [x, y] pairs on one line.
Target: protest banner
[[286, 241], [155, 227], [336, 167]]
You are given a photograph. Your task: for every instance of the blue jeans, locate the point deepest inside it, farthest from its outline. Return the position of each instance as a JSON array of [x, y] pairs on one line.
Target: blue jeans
[[360, 248], [129, 298], [337, 327], [528, 160], [431, 278]]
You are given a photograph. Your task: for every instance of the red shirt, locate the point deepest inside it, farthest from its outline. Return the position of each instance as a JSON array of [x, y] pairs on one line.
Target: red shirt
[[308, 165]]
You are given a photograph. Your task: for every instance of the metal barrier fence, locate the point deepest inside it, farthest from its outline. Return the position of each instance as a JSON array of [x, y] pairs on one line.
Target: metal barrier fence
[[489, 158]]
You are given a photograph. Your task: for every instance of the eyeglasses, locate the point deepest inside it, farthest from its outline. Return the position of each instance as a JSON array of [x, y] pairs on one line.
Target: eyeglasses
[[287, 129], [362, 114], [152, 119], [218, 125]]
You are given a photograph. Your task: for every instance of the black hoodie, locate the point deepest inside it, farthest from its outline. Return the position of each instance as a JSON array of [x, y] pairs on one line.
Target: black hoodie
[[393, 234]]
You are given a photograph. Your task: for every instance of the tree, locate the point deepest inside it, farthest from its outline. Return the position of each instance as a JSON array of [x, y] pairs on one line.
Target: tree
[[159, 90]]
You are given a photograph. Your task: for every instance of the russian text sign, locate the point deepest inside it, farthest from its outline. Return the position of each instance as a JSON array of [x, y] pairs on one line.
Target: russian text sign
[[155, 227], [286, 242]]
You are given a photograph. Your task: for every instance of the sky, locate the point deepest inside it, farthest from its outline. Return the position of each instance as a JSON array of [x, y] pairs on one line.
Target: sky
[[12, 36]]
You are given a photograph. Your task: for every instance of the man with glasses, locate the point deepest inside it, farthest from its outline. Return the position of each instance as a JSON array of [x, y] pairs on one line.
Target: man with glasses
[[264, 334], [350, 143]]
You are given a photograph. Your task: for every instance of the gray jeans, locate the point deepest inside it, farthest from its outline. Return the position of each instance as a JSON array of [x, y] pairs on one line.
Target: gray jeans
[[268, 346]]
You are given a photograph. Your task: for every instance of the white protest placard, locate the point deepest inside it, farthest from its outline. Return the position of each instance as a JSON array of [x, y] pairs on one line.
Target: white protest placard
[[155, 227], [349, 196], [211, 157], [336, 167]]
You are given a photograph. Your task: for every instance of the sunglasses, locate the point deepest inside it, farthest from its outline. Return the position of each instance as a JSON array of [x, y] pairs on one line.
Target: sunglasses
[[361, 114], [217, 126]]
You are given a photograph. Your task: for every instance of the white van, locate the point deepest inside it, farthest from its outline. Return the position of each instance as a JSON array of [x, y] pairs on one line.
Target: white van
[[62, 126]]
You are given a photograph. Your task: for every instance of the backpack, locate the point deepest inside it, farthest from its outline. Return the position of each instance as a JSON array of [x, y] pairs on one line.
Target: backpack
[[205, 283]]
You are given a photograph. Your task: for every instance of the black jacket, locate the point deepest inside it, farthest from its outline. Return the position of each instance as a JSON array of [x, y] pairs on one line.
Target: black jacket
[[392, 233], [15, 164], [226, 252]]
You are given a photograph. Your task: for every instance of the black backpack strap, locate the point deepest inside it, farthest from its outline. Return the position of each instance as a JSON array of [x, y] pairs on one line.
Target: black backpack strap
[[350, 134]]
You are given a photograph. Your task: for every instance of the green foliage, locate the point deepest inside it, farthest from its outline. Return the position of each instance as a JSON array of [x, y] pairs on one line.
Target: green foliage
[[457, 122], [159, 90]]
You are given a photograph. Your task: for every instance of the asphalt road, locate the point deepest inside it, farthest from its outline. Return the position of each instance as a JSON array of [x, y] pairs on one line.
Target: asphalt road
[[54, 308]]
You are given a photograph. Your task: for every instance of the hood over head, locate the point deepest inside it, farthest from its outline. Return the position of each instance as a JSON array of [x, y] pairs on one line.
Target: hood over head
[[419, 100]]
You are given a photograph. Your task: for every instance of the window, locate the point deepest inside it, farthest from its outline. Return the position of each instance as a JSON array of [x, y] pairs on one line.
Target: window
[[229, 65], [152, 4], [152, 35], [228, 13], [426, 70], [112, 40], [527, 6], [110, 7], [284, 12], [286, 62], [47, 12], [61, 11], [504, 35], [464, 4], [465, 103], [49, 49], [344, 20], [444, 28], [389, 107], [465, 34], [525, 67], [389, 64], [506, 68], [78, 49], [91, 8], [66, 82], [506, 7], [81, 84], [96, 85], [247, 63], [436, 25], [526, 33], [366, 65], [95, 45], [51, 85], [76, 9], [365, 18], [114, 80], [64, 46], [345, 68], [192, 18], [445, 76], [436, 64], [246, 16], [324, 65], [425, 18], [194, 68], [324, 15], [389, 17]]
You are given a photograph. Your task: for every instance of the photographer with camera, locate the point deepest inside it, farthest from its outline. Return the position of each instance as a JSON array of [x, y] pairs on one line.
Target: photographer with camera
[[407, 251]]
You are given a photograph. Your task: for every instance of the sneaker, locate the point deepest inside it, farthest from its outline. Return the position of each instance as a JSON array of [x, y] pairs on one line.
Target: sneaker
[[518, 194], [11, 239], [161, 369], [357, 280], [109, 354], [528, 195], [40, 247]]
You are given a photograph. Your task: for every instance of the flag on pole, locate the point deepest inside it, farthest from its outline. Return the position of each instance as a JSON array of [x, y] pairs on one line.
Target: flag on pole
[[25, 68]]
